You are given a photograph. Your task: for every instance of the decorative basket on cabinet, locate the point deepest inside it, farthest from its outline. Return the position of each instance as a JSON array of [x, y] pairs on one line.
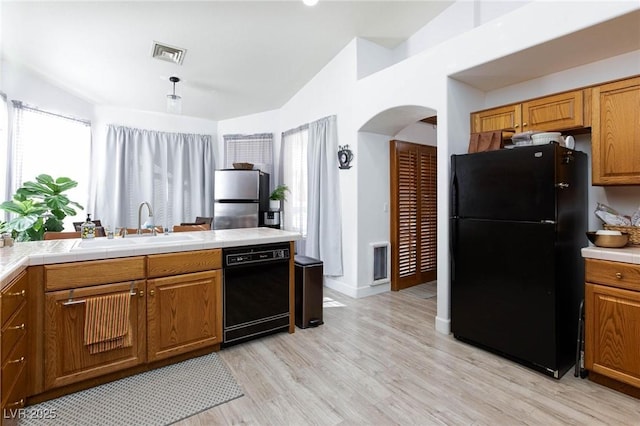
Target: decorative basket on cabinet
[[633, 231]]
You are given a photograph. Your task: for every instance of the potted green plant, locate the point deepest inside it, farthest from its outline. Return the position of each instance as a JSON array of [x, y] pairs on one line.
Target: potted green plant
[[40, 206], [278, 195]]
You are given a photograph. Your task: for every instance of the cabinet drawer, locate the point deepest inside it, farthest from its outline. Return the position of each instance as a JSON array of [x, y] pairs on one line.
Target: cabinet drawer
[[616, 274], [13, 296], [12, 332], [94, 272], [14, 364], [162, 265], [15, 397]]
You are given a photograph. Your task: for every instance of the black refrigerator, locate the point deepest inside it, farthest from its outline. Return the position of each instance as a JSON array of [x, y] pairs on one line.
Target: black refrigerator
[[518, 222]]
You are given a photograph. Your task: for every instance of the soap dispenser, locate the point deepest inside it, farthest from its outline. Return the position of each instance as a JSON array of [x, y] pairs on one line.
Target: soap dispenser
[[88, 229]]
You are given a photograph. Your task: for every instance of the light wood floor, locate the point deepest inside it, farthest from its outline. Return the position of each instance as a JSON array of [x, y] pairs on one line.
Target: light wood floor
[[379, 360]]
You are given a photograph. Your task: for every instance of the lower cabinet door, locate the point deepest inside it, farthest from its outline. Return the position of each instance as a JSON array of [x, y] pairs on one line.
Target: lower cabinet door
[[184, 313], [612, 333], [67, 358]]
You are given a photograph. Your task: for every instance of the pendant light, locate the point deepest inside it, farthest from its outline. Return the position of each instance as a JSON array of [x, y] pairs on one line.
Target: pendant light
[[174, 102], [310, 2]]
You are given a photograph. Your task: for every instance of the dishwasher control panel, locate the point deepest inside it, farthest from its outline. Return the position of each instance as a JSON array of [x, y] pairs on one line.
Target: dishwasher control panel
[[255, 256]]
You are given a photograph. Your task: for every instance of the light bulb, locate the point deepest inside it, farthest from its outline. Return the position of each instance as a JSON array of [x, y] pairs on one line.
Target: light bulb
[[174, 104], [310, 2]]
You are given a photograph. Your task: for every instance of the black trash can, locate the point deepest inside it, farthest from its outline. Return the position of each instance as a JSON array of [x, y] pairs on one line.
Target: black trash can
[[308, 279]]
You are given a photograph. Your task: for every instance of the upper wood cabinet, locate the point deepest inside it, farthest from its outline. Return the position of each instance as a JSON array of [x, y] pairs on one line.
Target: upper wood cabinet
[[615, 133], [503, 118], [564, 111]]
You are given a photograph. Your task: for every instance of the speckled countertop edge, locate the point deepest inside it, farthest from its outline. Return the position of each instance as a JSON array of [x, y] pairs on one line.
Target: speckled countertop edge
[[629, 254], [14, 260]]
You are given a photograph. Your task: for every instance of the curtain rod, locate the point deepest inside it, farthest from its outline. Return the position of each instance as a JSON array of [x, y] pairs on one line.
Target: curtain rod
[[21, 105], [254, 136], [297, 129]]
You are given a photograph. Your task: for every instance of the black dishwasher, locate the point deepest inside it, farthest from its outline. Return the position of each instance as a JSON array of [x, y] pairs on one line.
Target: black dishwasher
[[255, 291]]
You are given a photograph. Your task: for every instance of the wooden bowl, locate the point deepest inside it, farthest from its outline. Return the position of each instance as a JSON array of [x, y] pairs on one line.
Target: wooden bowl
[[609, 241], [243, 166]]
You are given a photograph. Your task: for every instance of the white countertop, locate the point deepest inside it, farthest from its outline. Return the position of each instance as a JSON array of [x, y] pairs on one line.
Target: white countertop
[[14, 259], [629, 254]]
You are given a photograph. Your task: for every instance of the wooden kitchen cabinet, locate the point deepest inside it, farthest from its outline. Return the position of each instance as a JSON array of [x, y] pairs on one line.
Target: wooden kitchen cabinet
[[67, 359], [184, 302], [176, 309], [503, 118], [615, 133], [612, 323], [184, 313], [13, 345], [560, 112]]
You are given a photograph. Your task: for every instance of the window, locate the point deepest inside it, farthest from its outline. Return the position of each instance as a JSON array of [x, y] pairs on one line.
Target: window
[[294, 175], [4, 140], [256, 149], [47, 143]]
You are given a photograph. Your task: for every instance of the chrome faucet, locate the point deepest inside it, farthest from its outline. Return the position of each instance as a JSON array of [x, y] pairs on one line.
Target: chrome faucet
[[139, 230]]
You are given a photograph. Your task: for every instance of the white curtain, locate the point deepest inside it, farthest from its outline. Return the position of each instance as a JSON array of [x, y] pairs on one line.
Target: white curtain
[[172, 171], [324, 227], [256, 149]]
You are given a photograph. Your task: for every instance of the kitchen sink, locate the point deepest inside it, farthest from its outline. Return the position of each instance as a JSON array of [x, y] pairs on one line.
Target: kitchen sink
[[132, 241]]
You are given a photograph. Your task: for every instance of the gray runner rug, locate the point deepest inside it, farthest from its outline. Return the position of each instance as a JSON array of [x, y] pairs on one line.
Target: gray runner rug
[[157, 397]]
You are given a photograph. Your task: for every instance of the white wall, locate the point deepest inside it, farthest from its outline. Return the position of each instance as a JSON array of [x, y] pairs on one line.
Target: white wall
[[372, 57], [458, 18], [373, 206], [23, 85], [419, 132]]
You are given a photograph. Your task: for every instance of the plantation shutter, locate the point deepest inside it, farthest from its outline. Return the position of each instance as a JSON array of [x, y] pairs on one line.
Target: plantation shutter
[[428, 213], [413, 213]]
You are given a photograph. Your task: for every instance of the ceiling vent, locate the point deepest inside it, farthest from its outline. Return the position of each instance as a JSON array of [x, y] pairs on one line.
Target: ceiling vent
[[168, 53]]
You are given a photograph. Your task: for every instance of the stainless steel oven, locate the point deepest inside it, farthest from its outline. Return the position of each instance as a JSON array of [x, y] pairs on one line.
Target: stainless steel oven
[[256, 291]]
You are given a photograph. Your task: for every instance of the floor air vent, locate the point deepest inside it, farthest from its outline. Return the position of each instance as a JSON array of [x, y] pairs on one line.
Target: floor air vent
[[380, 260]]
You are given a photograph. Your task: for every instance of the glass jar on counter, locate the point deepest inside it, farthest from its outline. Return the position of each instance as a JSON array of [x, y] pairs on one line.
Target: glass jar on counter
[[7, 239]]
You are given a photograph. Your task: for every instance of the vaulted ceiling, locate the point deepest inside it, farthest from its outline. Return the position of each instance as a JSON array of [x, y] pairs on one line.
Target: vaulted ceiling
[[242, 57]]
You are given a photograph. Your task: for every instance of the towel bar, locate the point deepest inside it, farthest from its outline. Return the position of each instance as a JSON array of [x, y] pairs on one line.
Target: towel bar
[[80, 302]]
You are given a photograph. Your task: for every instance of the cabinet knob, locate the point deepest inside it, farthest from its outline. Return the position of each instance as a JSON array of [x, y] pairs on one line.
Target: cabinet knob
[[619, 275], [524, 124], [20, 293], [16, 404], [141, 293], [152, 292], [516, 126], [16, 327]]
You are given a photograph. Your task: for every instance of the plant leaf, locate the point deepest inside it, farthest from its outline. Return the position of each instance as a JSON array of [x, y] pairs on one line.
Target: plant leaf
[[22, 223]]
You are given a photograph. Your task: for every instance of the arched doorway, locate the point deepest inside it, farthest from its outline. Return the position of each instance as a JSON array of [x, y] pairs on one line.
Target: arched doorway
[[413, 192]]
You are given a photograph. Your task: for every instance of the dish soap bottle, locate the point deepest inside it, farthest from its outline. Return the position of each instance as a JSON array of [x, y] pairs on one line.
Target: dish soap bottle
[[88, 229]]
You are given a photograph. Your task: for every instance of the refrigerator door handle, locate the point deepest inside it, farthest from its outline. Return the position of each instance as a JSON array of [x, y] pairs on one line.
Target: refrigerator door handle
[[454, 188], [562, 185]]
